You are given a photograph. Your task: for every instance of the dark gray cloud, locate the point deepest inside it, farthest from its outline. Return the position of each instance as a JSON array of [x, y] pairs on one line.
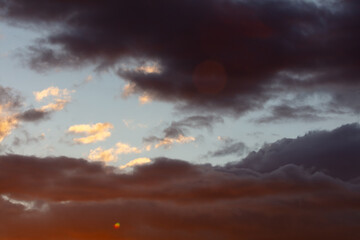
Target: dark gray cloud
[[26, 139], [9, 98], [183, 126], [232, 148], [285, 112], [193, 122], [215, 55], [33, 115], [335, 153], [11, 101]]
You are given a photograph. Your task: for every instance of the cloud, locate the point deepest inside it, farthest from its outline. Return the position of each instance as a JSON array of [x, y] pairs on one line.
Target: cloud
[[123, 148], [12, 114], [62, 97], [33, 115], [168, 142], [7, 123], [94, 132], [145, 98], [135, 162], [129, 123], [225, 56], [111, 154], [192, 122], [176, 131], [154, 68], [99, 154], [58, 105], [10, 101], [87, 80], [228, 148], [27, 139], [332, 152], [286, 112], [51, 91], [174, 199], [128, 90]]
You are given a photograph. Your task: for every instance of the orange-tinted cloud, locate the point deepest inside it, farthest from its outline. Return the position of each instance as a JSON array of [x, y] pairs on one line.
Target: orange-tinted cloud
[[94, 132], [128, 90], [7, 123], [123, 148], [51, 91], [61, 98], [111, 154], [102, 155], [135, 162], [58, 105], [153, 68], [10, 101], [168, 141], [145, 98]]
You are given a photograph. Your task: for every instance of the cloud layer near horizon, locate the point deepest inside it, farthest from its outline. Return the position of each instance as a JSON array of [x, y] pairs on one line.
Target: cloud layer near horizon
[[229, 56], [298, 198]]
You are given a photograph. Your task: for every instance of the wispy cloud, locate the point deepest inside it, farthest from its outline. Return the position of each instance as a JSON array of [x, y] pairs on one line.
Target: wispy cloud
[[129, 123], [10, 101], [51, 91], [27, 139], [177, 131], [168, 141], [128, 90], [228, 147], [87, 80], [145, 98]]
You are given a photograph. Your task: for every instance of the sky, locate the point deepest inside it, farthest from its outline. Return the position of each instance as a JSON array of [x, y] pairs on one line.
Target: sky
[[201, 119]]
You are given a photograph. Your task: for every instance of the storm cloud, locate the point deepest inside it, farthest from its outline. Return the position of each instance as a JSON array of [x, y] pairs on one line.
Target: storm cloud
[[297, 197], [335, 153], [228, 56]]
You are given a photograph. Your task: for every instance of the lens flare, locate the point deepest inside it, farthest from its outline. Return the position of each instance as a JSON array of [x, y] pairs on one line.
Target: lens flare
[[117, 225]]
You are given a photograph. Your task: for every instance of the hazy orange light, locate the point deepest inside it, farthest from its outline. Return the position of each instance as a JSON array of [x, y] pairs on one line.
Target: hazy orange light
[[117, 225]]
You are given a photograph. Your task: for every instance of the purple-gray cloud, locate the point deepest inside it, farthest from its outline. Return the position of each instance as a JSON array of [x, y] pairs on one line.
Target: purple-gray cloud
[[335, 153], [304, 188], [228, 56]]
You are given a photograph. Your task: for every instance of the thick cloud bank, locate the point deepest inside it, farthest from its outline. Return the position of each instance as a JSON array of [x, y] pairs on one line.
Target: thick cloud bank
[[298, 198], [224, 55], [335, 153]]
